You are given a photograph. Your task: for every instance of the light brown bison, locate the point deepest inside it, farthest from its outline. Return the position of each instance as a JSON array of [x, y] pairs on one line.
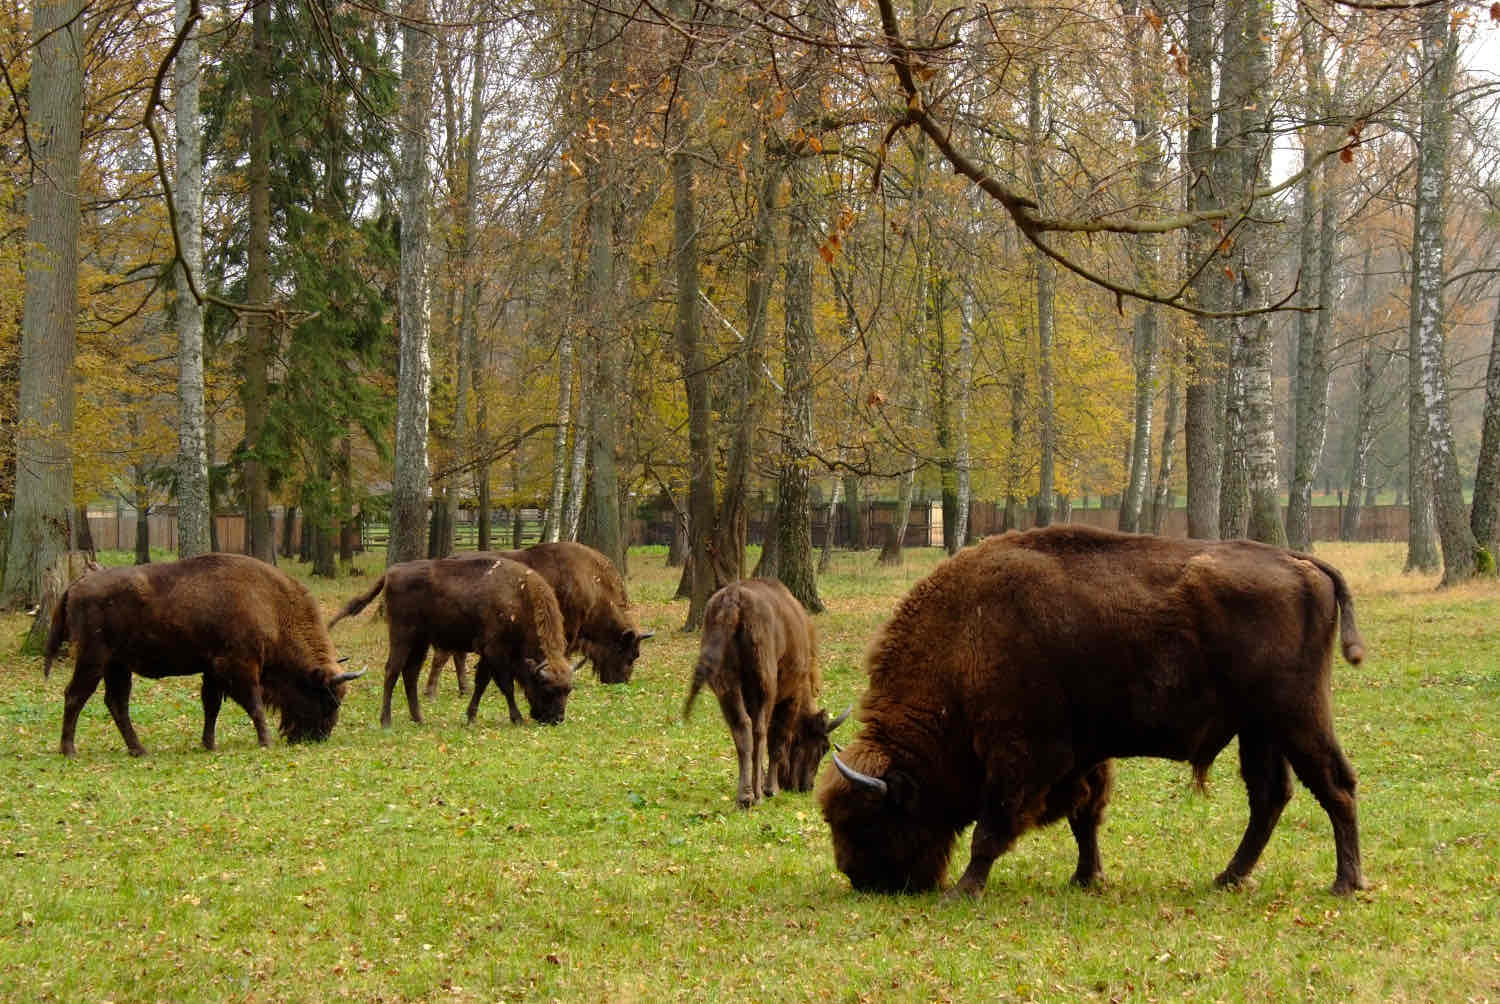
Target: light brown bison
[[595, 611], [490, 605], [1009, 677], [759, 655], [251, 630]]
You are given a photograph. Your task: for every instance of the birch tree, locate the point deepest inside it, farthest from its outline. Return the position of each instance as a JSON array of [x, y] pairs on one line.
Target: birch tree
[[409, 492], [193, 514]]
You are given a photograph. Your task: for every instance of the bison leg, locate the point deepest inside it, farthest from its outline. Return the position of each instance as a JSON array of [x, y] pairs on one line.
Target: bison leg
[[481, 681], [1321, 765], [213, 698], [117, 700], [462, 671], [87, 672], [1268, 786], [405, 663], [742, 731], [506, 681], [989, 842], [439, 660], [1087, 798], [765, 768]]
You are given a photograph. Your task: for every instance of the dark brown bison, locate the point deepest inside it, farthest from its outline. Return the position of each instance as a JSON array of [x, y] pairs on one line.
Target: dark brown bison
[[1009, 677], [595, 611], [252, 631], [759, 655], [490, 605]]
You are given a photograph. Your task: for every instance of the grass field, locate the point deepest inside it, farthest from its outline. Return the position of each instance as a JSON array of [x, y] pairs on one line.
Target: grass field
[[605, 860]]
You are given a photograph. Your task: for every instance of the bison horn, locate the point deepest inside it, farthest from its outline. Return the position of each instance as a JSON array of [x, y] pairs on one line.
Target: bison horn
[[579, 664], [861, 780], [643, 635], [839, 720], [342, 659], [346, 677]]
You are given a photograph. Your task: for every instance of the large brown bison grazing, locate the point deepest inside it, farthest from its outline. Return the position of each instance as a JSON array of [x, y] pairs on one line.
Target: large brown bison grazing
[[759, 655], [595, 611], [1007, 679], [490, 605], [252, 631]]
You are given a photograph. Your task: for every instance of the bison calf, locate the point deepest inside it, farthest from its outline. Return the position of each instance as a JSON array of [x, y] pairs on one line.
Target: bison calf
[[595, 611], [490, 605], [759, 656], [1009, 677], [251, 630]]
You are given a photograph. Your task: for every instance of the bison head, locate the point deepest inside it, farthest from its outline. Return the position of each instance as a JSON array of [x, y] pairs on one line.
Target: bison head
[[882, 839], [547, 684], [614, 660], [804, 750], [310, 703]]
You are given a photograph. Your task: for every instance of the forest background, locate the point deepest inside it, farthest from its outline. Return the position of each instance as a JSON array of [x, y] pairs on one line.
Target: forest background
[[391, 260]]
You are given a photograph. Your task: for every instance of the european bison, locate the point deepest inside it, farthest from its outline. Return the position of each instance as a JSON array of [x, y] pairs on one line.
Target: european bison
[[1007, 679], [252, 631], [595, 611], [759, 655], [490, 605]]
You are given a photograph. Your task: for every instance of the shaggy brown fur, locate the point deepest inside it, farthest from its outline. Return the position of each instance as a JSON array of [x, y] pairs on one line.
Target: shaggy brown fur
[[490, 605], [252, 631], [1009, 677], [759, 655], [595, 611]]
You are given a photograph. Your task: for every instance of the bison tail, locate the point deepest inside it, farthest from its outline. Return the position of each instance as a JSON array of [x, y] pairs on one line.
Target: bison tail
[[700, 677], [357, 604], [1351, 641], [56, 634]]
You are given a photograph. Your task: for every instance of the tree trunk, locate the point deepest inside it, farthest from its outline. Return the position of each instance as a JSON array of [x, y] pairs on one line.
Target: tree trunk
[[39, 529], [142, 528], [1161, 499], [409, 490], [288, 526], [825, 560], [1439, 56], [1484, 517], [254, 392], [1204, 355], [963, 460], [555, 513], [1421, 537], [192, 459], [1045, 320], [794, 566], [1373, 360]]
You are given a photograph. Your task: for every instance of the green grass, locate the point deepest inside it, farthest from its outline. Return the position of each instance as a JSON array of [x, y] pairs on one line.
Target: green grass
[[605, 859]]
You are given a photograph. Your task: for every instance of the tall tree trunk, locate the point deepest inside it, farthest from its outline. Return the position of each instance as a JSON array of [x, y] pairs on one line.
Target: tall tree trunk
[[1421, 537], [254, 392], [1204, 355], [1439, 57], [578, 466], [192, 458], [40, 526], [835, 493], [554, 527], [1373, 359], [142, 527], [694, 362], [963, 460], [1161, 499], [409, 490], [794, 566], [1484, 516], [1045, 320]]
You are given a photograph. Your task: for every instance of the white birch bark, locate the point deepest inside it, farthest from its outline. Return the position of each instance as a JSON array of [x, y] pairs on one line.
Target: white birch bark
[[410, 485], [192, 454]]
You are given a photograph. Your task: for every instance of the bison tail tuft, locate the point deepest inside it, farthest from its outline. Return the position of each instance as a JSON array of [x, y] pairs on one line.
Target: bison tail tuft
[[56, 634], [700, 676]]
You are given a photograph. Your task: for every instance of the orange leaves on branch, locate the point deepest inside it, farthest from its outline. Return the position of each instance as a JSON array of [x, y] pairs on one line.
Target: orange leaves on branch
[[841, 226], [1347, 153], [875, 400], [1495, 12], [1152, 18], [1179, 59]]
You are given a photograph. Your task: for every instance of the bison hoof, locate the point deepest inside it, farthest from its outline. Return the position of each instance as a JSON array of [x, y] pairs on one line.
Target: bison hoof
[[1231, 880], [68, 749], [1349, 886], [137, 751], [966, 888], [745, 801]]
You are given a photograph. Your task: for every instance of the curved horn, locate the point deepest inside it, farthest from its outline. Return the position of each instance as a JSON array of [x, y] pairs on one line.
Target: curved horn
[[860, 780], [839, 720], [643, 635], [346, 677], [342, 659], [579, 664]]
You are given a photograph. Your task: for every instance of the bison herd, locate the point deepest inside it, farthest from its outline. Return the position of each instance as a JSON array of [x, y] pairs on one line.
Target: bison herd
[[1000, 690]]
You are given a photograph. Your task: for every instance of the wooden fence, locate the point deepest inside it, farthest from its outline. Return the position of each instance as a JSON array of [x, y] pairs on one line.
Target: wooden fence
[[113, 531]]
